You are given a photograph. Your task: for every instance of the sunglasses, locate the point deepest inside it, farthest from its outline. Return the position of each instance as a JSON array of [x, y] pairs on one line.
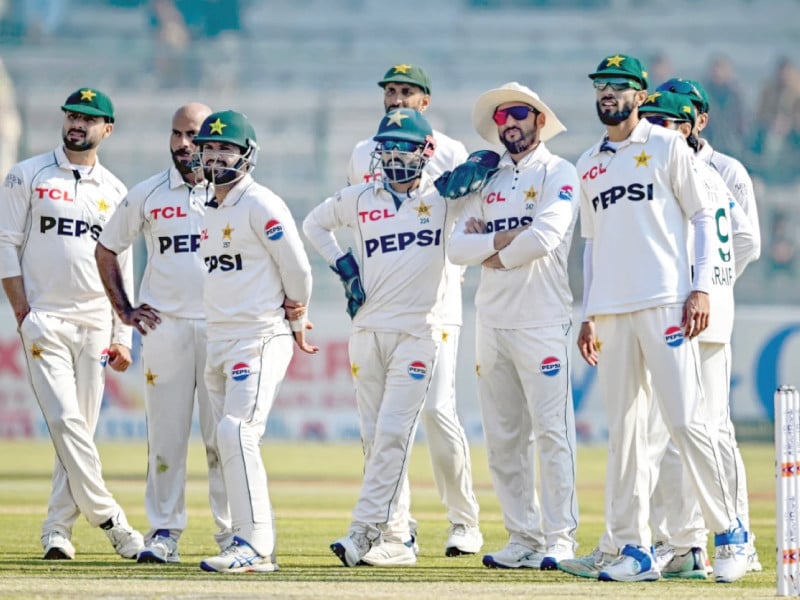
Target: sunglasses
[[684, 88], [520, 113], [662, 121], [617, 84], [399, 146]]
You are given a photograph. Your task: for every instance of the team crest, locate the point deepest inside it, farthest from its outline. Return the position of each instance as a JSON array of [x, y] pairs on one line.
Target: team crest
[[550, 366], [673, 336], [273, 230], [417, 370], [240, 371]]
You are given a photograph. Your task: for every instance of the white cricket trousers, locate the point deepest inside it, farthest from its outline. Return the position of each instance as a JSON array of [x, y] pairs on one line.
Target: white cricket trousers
[[174, 361], [447, 443], [633, 345], [675, 512], [526, 406], [243, 378], [391, 376], [67, 376]]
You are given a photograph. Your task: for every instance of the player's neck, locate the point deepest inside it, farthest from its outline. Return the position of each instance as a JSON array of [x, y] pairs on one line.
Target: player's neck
[[85, 157], [404, 188], [622, 131]]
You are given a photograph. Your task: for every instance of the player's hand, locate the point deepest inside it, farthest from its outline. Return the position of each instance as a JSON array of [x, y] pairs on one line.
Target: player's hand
[[469, 176], [696, 312], [142, 317], [474, 225], [119, 357], [587, 343], [300, 340], [294, 309]]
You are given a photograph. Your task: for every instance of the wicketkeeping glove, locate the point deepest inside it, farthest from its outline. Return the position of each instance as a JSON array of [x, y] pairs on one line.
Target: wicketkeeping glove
[[346, 268], [470, 176]]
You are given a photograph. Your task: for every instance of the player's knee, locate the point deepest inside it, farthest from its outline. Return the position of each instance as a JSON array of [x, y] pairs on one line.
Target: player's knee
[[228, 434]]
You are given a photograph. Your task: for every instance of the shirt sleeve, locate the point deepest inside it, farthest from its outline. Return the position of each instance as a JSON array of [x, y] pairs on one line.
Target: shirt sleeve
[[746, 245], [15, 206], [125, 224], [687, 185], [121, 333], [334, 213], [470, 248], [550, 224], [744, 195]]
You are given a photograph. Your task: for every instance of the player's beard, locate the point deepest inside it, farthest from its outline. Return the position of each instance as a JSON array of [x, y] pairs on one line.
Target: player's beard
[[618, 117], [184, 165], [525, 141], [87, 143]]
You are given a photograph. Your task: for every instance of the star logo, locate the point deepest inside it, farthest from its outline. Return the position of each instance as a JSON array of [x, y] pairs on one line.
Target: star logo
[[445, 336], [354, 369], [652, 97], [686, 109], [530, 195], [598, 345], [614, 61], [88, 95], [36, 350], [478, 370], [401, 68], [423, 209], [226, 233], [641, 159], [102, 205], [396, 118], [217, 126], [150, 377]]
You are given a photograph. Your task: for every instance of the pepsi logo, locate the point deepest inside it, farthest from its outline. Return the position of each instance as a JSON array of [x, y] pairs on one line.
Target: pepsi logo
[[273, 230], [550, 366], [565, 193], [673, 336], [240, 371], [104, 357], [417, 370]]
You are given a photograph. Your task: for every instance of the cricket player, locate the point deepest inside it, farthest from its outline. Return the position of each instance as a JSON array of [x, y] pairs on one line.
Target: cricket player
[[53, 207], [397, 280], [519, 228], [643, 308], [254, 259], [409, 86], [168, 209], [679, 530]]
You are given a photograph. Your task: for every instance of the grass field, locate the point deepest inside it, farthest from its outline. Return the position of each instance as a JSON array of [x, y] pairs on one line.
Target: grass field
[[313, 488]]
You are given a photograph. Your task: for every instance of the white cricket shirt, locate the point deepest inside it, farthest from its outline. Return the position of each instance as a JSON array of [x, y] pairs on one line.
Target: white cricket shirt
[[254, 259], [51, 216], [169, 214], [533, 288]]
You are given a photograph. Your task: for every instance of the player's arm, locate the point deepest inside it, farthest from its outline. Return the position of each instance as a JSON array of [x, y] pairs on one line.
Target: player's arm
[[14, 213], [587, 338], [742, 190], [746, 246], [471, 243], [552, 223]]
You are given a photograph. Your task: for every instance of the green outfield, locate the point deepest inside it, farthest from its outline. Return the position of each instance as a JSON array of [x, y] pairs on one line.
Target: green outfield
[[313, 487]]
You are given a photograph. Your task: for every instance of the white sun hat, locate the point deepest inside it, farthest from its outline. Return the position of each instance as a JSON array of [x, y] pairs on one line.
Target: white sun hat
[[488, 102]]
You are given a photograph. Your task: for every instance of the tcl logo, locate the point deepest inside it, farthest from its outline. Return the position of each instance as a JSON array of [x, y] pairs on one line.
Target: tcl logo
[[168, 212], [374, 215], [594, 172], [54, 194], [494, 197]]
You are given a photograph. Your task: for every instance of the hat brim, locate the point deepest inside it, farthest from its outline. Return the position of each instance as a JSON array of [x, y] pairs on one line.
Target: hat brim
[[616, 73], [404, 79], [488, 102], [87, 110]]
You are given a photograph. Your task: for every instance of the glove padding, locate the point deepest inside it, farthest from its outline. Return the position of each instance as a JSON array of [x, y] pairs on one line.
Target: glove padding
[[346, 268], [469, 176]]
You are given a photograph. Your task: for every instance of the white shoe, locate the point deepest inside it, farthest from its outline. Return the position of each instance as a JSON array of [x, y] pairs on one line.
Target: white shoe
[[633, 564], [125, 539], [514, 556], [413, 526], [464, 539], [753, 564], [160, 549], [57, 546], [390, 554], [555, 554], [664, 553], [589, 565], [690, 565], [730, 554], [351, 548], [239, 557]]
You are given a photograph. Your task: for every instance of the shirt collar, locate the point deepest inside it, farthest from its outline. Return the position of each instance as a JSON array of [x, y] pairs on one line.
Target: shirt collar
[[639, 135], [539, 154], [95, 175]]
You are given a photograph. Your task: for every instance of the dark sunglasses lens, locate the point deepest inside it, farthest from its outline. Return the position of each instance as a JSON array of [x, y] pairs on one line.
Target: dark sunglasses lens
[[519, 113], [660, 121], [400, 146]]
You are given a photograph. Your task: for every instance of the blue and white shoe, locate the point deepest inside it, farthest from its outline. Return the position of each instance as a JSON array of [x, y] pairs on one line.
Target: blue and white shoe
[[633, 564], [161, 548], [239, 557], [730, 554], [514, 556]]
